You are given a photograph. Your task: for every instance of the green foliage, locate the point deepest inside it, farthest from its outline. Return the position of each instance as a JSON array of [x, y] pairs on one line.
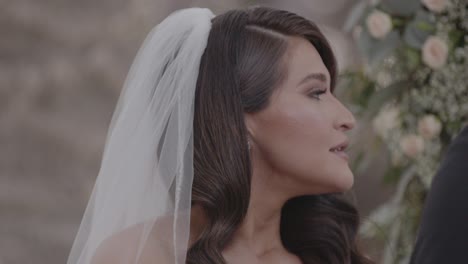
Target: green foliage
[[414, 97], [400, 7], [418, 30], [376, 50]]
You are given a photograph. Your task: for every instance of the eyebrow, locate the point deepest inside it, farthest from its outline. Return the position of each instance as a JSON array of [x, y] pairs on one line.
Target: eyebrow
[[314, 76]]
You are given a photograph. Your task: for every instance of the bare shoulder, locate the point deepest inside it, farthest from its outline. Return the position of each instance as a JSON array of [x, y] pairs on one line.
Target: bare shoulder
[[123, 247]]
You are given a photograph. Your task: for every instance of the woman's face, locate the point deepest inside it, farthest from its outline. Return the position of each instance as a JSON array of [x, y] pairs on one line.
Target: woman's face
[[294, 136]]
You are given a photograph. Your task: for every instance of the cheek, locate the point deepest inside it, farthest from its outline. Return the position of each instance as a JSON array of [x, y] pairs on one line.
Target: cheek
[[296, 142], [297, 138]]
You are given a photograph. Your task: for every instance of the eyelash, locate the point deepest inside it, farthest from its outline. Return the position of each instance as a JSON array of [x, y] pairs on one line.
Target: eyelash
[[317, 93]]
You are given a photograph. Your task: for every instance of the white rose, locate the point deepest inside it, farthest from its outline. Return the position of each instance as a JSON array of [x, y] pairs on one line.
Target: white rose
[[429, 126], [434, 52], [379, 24], [384, 78], [385, 121], [436, 6], [412, 145]]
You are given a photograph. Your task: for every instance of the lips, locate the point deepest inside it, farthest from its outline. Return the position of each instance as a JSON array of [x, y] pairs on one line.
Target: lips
[[341, 147], [340, 150]]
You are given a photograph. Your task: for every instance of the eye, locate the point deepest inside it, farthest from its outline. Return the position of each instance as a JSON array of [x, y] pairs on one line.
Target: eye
[[316, 94]]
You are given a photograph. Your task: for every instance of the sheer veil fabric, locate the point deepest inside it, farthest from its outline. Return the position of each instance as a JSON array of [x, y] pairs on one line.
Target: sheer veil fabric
[[146, 174]]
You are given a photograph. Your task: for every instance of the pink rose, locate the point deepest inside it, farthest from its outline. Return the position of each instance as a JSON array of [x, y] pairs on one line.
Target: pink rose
[[436, 6], [412, 145], [434, 52], [429, 126], [379, 24]]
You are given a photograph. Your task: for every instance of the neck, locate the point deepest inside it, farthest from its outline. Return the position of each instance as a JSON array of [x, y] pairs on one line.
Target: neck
[[260, 230]]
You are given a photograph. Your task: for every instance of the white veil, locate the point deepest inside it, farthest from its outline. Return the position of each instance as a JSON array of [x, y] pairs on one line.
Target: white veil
[[143, 191]]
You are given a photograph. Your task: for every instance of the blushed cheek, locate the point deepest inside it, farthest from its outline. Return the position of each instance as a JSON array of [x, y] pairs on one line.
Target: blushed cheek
[[292, 126], [304, 124], [299, 136], [277, 132]]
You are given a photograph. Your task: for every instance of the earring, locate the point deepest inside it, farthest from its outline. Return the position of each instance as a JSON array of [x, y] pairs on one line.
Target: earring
[[248, 143]]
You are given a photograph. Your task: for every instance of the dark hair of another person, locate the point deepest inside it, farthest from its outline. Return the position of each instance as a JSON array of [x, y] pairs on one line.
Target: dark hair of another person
[[242, 64]]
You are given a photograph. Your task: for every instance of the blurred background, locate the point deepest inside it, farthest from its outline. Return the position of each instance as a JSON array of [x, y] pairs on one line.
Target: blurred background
[[62, 65]]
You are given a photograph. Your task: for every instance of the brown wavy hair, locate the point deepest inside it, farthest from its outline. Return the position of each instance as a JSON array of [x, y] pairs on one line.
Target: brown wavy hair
[[240, 68]]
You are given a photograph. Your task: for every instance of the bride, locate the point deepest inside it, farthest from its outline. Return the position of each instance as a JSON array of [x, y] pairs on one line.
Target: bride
[[227, 145]]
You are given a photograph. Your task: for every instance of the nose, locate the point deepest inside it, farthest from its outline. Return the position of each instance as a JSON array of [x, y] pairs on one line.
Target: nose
[[345, 119]]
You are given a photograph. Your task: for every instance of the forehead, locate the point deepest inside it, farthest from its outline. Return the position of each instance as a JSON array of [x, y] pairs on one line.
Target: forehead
[[302, 59]]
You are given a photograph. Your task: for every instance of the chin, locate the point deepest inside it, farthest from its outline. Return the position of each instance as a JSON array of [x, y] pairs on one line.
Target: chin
[[335, 180], [346, 181], [342, 182]]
